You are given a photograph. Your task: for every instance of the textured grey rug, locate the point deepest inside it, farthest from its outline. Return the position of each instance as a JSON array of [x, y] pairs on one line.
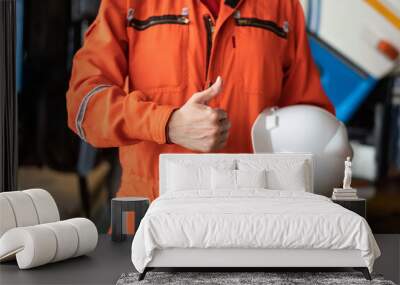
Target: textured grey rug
[[236, 278]]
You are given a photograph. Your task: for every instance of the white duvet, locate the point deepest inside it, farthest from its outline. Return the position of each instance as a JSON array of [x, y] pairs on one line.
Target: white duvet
[[253, 218]]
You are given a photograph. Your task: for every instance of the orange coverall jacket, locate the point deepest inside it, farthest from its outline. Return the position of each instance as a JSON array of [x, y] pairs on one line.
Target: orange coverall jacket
[[141, 60]]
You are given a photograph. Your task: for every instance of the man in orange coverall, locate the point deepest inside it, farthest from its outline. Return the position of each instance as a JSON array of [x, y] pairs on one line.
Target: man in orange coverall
[[149, 78]]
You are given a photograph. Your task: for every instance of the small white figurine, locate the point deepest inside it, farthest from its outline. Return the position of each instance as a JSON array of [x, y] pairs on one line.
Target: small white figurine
[[347, 174]]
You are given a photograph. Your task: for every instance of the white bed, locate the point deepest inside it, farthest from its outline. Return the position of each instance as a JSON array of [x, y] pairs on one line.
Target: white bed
[[242, 227]]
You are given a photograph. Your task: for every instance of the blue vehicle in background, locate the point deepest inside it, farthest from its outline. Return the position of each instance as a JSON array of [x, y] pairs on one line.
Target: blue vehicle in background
[[355, 44]]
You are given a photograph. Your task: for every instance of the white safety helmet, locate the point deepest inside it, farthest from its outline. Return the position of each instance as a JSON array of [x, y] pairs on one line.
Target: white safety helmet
[[309, 129]]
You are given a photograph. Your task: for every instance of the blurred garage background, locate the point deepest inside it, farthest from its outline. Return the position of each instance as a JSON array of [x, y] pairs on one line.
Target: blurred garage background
[[355, 44]]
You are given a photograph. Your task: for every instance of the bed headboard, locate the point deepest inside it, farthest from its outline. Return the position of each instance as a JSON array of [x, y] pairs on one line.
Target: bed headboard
[[165, 158]]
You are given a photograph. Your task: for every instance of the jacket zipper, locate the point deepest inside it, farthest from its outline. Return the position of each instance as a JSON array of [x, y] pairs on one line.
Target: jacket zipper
[[158, 20], [268, 25], [210, 30]]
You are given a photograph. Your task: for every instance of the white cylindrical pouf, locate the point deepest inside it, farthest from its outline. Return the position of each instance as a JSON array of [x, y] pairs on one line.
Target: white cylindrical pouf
[[45, 205], [87, 234], [41, 244], [34, 246], [67, 239], [23, 208], [7, 218]]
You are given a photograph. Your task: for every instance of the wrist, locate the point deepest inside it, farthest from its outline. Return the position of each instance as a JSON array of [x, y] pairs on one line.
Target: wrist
[[167, 128]]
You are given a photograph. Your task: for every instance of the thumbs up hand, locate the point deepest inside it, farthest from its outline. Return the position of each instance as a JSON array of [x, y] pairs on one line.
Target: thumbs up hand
[[197, 126]]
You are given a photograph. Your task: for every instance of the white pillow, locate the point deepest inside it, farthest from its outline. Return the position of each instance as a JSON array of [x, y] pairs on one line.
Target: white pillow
[[293, 179], [223, 179], [251, 179], [282, 174], [184, 175], [236, 179]]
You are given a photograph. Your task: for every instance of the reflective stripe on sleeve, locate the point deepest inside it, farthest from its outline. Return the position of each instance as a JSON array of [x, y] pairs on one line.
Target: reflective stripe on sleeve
[[82, 109]]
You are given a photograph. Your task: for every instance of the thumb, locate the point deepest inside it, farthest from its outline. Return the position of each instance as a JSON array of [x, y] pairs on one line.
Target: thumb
[[206, 95]]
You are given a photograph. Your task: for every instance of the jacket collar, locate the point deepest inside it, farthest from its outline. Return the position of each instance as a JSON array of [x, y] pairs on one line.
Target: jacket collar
[[229, 7], [231, 3]]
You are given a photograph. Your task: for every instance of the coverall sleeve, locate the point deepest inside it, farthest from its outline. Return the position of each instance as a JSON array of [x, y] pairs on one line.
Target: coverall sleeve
[[100, 111], [302, 83]]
